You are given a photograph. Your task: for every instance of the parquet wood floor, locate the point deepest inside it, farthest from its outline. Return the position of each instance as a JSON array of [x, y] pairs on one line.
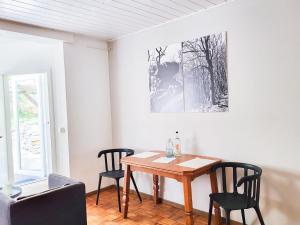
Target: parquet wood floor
[[145, 213]]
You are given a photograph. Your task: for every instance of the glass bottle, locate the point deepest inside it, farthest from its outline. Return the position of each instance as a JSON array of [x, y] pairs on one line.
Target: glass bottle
[[177, 150], [169, 148]]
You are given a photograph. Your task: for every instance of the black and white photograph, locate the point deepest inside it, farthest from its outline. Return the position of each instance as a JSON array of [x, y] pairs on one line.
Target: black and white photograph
[[205, 74], [165, 79], [190, 76]]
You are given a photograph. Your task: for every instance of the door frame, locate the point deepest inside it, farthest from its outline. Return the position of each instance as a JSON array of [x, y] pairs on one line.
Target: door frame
[[3, 132]]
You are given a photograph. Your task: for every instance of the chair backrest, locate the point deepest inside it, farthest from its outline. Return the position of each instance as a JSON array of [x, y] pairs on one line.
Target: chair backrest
[[112, 152], [250, 178]]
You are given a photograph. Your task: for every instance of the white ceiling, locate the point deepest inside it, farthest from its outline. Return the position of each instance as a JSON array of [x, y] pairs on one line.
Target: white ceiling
[[105, 19]]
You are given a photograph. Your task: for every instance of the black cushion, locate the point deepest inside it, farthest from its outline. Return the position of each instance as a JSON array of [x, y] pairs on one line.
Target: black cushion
[[113, 174]]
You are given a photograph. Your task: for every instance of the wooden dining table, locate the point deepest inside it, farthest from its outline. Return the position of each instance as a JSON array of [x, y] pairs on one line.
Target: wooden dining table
[[183, 174]]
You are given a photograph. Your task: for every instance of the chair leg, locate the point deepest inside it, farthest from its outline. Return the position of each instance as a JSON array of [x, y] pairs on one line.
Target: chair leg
[[261, 220], [137, 191], [118, 190], [210, 211], [243, 216], [99, 186], [227, 217]]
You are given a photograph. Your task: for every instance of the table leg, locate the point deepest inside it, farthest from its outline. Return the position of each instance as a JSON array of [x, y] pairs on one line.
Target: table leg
[[188, 201], [214, 189], [156, 189], [126, 190]]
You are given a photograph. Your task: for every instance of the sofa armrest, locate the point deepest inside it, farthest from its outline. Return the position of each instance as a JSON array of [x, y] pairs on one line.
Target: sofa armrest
[[5, 203], [55, 180]]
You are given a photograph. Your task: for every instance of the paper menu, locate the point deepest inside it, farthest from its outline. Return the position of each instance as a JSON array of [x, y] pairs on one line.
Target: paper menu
[[164, 160], [145, 155], [196, 163]]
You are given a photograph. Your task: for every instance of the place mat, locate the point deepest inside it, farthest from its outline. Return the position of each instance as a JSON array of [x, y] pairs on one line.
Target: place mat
[[145, 155], [196, 163], [164, 159]]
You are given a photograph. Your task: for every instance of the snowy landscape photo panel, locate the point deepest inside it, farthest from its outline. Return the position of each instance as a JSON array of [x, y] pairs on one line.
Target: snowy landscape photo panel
[[165, 79], [204, 70], [190, 76]]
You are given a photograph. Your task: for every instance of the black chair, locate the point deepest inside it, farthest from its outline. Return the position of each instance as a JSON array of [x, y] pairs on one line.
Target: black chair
[[249, 198], [114, 173]]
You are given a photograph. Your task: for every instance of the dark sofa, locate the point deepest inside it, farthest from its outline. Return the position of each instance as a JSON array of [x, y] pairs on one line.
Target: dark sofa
[[63, 204]]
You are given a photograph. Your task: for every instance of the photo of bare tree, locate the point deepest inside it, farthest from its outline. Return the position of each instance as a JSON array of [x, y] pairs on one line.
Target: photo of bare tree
[[165, 79], [205, 74], [190, 76]]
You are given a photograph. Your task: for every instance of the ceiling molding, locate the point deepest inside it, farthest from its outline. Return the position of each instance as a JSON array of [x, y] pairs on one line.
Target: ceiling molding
[[35, 30]]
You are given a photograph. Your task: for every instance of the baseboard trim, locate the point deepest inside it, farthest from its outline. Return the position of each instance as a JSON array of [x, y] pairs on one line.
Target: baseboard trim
[[177, 205], [88, 194]]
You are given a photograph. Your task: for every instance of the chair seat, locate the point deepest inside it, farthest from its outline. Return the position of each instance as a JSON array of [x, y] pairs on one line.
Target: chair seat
[[232, 201], [113, 174]]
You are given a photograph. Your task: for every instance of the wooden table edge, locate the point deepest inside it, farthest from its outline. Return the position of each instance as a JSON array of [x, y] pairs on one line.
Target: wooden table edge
[[186, 177]]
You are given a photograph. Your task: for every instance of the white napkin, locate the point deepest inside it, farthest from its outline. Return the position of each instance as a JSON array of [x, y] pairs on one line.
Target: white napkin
[[144, 155], [164, 160], [196, 163]]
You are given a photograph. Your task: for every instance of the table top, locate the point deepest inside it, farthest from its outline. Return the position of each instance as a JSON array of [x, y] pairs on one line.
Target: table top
[[171, 167], [12, 192]]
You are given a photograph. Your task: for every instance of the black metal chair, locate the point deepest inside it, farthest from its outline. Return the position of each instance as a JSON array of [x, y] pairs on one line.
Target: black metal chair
[[249, 198], [114, 173]]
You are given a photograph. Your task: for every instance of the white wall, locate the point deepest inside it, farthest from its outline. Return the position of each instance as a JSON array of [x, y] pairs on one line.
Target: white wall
[[88, 100], [83, 62], [22, 54], [262, 125], [60, 112]]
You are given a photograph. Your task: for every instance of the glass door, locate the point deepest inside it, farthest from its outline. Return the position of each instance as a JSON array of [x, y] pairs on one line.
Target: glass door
[[27, 126]]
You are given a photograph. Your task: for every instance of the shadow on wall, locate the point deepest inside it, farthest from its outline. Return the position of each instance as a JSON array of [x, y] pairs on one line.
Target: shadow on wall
[[280, 192]]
